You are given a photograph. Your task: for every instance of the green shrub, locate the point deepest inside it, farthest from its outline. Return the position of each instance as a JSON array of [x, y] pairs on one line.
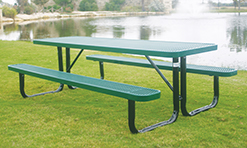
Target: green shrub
[[9, 12], [69, 8], [114, 5], [56, 7], [88, 5], [49, 7], [29, 9]]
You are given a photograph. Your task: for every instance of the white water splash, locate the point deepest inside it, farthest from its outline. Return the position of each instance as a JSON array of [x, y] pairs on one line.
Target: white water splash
[[191, 7]]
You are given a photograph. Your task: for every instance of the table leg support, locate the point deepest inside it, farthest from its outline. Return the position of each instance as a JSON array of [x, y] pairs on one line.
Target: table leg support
[[68, 65], [183, 92], [183, 86], [176, 84], [131, 117], [175, 89], [22, 86], [22, 79], [101, 65], [213, 103]]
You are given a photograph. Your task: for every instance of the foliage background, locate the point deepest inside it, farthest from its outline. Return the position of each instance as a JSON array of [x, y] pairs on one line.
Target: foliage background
[[88, 5], [9, 12]]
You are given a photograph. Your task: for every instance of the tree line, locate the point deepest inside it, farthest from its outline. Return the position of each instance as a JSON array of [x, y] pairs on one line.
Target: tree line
[[85, 5], [22, 6]]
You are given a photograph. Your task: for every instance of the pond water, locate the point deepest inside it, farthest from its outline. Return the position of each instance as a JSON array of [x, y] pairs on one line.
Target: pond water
[[227, 30]]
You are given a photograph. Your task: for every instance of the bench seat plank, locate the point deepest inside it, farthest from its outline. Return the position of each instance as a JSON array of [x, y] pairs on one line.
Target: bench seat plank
[[198, 69], [126, 91]]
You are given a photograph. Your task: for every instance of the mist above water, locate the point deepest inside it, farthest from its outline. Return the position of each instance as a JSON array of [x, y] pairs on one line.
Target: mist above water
[[192, 7]]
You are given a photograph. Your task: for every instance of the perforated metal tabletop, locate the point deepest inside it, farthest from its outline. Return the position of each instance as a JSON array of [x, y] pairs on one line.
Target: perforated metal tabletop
[[142, 47]]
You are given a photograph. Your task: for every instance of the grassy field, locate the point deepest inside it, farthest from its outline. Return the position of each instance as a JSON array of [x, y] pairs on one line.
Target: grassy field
[[81, 118]]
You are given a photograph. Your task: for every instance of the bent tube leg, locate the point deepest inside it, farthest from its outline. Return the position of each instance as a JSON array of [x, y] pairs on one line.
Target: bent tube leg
[[175, 84], [183, 92], [131, 113], [22, 86], [204, 108], [131, 105], [213, 103], [60, 58], [68, 66], [183, 86], [131, 117], [101, 65]]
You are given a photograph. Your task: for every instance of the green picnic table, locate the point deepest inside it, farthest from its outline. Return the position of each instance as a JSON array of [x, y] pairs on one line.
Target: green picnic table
[[174, 50]]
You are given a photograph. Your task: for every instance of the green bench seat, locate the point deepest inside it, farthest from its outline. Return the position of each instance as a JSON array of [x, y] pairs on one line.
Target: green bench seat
[[216, 72], [130, 92], [197, 69], [126, 91]]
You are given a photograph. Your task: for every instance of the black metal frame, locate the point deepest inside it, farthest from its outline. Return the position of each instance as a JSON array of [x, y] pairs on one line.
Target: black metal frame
[[60, 66], [22, 86], [68, 65], [183, 92], [176, 96], [131, 104], [175, 89]]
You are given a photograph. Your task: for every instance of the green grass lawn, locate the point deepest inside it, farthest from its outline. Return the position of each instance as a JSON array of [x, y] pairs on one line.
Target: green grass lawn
[[81, 118]]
